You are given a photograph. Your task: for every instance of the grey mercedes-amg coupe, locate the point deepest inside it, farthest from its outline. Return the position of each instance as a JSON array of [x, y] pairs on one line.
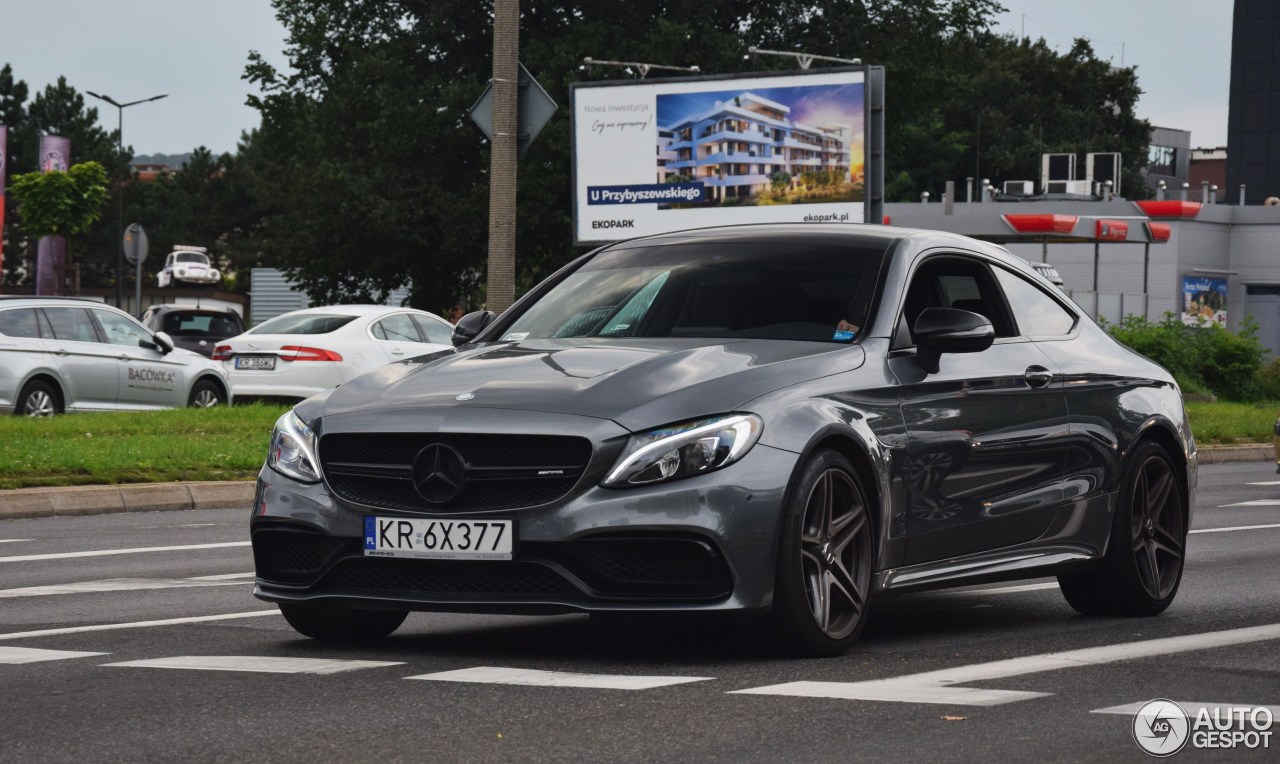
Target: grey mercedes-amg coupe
[[777, 421]]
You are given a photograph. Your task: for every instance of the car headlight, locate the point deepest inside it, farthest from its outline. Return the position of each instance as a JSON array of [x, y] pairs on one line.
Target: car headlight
[[293, 450], [684, 450]]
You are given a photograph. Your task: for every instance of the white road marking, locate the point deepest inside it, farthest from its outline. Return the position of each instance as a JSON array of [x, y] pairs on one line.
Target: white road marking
[[13, 541], [32, 655], [137, 624], [108, 552], [1266, 482], [939, 686], [223, 577], [1254, 503], [533, 678], [1190, 707], [1237, 528], [264, 664], [116, 585]]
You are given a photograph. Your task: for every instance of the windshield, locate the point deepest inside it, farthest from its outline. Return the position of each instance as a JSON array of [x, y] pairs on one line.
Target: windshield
[[306, 323], [758, 290], [191, 257]]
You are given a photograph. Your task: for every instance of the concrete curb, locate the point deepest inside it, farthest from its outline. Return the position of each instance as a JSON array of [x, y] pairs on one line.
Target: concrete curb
[[158, 497], [106, 499]]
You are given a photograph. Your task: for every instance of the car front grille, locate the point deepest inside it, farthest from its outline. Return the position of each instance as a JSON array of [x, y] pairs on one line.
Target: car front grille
[[502, 471], [605, 567]]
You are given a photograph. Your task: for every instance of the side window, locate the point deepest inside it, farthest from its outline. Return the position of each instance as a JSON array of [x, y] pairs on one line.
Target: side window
[[72, 324], [960, 283], [1037, 314], [19, 322], [436, 332], [123, 331], [397, 328]]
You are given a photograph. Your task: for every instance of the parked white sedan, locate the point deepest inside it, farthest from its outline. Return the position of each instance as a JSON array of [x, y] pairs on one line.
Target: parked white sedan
[[298, 354]]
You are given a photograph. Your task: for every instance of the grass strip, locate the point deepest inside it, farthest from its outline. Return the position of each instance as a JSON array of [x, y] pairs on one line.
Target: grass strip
[[1223, 423], [222, 443]]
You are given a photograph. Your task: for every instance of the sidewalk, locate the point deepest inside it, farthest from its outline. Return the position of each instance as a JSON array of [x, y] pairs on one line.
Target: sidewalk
[[158, 497], [136, 497]]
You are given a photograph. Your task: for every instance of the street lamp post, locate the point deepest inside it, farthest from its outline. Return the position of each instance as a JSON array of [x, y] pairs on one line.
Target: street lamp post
[[120, 107]]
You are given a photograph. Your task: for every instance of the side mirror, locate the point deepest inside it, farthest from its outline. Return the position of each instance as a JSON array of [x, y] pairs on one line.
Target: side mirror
[[164, 342], [470, 325], [947, 330]]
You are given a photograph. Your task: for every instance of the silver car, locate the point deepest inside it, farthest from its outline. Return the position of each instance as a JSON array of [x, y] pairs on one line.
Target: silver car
[[67, 354]]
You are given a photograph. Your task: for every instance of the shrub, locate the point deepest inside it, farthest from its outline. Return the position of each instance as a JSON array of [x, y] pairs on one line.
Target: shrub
[[1206, 356]]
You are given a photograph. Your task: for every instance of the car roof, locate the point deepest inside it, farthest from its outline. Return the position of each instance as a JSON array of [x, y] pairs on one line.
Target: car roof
[[169, 308], [10, 299], [356, 310]]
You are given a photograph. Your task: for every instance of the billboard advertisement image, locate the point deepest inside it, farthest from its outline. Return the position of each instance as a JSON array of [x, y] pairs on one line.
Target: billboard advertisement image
[[1204, 301], [660, 156]]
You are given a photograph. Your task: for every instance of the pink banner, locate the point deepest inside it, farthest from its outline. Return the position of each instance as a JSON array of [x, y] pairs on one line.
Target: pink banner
[[51, 252]]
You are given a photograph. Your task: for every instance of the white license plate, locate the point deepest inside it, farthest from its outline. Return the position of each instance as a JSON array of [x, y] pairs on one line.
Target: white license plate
[[257, 362], [438, 539]]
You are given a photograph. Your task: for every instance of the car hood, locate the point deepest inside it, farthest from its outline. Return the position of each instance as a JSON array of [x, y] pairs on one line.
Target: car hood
[[636, 383]]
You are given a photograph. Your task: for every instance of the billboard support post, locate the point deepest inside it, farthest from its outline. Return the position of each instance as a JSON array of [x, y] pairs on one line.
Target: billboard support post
[[501, 284]]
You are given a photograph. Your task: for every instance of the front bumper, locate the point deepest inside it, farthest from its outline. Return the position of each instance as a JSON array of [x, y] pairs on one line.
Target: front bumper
[[703, 544]]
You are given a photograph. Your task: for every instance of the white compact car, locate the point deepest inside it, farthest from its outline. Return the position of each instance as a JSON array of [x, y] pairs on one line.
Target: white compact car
[[188, 265], [298, 354], [65, 354]]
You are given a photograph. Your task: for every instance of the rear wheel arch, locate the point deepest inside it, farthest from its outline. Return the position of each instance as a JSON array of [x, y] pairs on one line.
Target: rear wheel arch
[[211, 379], [1163, 435], [60, 395]]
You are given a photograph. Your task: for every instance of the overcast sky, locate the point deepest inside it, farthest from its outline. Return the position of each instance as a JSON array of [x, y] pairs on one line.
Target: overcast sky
[[196, 50]]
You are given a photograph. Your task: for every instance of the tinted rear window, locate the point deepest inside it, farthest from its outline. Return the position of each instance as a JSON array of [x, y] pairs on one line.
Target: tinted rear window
[[201, 325], [307, 323]]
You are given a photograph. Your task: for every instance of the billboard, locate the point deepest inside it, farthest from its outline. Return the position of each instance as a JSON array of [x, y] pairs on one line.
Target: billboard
[[1204, 301], [666, 155]]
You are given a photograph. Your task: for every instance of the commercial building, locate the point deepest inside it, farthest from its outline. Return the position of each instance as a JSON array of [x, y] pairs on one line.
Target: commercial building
[[1253, 122]]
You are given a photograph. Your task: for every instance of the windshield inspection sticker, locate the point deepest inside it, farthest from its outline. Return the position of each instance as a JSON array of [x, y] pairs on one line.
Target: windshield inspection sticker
[[841, 336], [515, 336]]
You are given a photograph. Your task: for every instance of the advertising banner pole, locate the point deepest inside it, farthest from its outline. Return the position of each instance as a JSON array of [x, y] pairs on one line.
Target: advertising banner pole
[[51, 252], [4, 155]]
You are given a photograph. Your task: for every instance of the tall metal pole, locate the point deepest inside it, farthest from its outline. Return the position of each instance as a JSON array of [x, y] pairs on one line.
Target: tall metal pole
[[502, 155], [120, 107]]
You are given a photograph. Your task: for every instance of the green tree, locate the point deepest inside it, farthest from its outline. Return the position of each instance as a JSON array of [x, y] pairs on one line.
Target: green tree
[[13, 115], [60, 203]]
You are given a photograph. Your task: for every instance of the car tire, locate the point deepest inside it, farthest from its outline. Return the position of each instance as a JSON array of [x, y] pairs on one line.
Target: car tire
[[341, 624], [206, 394], [38, 399], [823, 582], [1142, 569]]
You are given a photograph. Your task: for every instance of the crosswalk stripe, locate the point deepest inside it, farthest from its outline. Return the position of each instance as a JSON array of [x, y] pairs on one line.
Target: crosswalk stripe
[[939, 686], [109, 552], [256, 663], [114, 585], [137, 624], [1129, 709], [1266, 482], [33, 655], [534, 678], [1237, 528], [1253, 503], [12, 541]]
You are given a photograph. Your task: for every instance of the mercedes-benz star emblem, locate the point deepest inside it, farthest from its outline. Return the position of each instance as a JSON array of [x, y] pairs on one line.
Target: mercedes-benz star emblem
[[464, 397], [439, 473]]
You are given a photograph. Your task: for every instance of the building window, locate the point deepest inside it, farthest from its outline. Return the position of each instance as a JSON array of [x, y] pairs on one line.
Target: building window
[[1162, 160]]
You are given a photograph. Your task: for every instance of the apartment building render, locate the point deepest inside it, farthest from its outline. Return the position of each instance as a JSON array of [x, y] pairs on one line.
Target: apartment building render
[[736, 146]]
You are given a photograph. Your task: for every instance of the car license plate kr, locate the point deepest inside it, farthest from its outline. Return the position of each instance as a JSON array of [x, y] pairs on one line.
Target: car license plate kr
[[256, 362], [438, 539]]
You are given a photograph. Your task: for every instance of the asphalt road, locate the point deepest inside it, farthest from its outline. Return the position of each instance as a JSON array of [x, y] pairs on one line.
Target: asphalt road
[[68, 620]]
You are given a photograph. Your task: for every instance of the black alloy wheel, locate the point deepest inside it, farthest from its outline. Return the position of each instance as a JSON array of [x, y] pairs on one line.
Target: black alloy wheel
[[823, 581], [1143, 566]]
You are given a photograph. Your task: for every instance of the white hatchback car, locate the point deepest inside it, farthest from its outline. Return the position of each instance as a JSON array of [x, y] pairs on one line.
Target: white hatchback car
[[301, 353], [188, 265], [65, 354]]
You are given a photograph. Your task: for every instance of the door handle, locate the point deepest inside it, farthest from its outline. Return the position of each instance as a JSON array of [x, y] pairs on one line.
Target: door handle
[[1038, 376], [62, 351], [397, 351]]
